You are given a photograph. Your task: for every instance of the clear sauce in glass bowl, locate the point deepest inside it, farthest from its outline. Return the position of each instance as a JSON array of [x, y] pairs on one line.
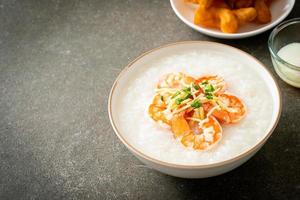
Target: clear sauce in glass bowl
[[284, 46]]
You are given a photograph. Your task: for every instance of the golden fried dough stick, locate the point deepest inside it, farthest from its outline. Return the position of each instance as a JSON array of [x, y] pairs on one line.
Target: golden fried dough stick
[[245, 14], [214, 17], [220, 13], [207, 17], [228, 21], [263, 11]]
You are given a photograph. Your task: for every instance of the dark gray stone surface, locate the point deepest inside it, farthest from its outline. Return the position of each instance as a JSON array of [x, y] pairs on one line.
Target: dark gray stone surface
[[58, 60]]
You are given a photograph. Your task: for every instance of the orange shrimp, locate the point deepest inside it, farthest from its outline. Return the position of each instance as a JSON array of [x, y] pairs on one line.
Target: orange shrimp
[[235, 111], [175, 80], [156, 109], [193, 108], [180, 126], [209, 134]]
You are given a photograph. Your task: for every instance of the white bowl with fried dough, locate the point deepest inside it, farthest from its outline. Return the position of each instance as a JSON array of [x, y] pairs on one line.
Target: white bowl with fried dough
[[279, 11], [154, 144]]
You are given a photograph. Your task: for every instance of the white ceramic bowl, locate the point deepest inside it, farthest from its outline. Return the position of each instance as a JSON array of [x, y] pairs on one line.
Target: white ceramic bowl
[[279, 9], [201, 170]]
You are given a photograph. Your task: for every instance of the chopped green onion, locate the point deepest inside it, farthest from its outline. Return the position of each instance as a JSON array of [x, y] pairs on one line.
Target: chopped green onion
[[161, 97], [196, 104], [209, 88], [196, 87], [186, 89], [187, 96], [175, 95], [178, 101], [204, 82], [209, 96]]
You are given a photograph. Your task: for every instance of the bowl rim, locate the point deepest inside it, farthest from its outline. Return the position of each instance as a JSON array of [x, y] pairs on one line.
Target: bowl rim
[[216, 34], [272, 36], [136, 151]]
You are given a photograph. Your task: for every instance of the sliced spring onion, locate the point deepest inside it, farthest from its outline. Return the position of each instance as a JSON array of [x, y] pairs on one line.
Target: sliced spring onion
[[186, 89], [196, 87], [178, 101], [196, 104], [175, 95], [161, 97], [209, 96], [204, 82], [209, 88]]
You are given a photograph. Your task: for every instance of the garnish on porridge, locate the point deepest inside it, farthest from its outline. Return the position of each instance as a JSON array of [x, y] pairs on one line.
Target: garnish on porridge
[[194, 108]]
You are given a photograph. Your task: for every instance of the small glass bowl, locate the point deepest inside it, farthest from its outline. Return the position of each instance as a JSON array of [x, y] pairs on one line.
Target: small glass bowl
[[285, 33]]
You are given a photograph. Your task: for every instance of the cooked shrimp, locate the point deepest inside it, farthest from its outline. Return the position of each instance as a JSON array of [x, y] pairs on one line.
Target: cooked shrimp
[[156, 109], [180, 126], [175, 80], [193, 108], [232, 109], [209, 133]]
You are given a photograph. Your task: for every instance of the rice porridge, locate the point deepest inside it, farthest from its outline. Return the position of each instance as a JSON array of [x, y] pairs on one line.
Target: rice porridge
[[156, 140]]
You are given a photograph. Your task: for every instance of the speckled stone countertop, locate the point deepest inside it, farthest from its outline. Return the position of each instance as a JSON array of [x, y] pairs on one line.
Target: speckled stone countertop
[[58, 60]]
